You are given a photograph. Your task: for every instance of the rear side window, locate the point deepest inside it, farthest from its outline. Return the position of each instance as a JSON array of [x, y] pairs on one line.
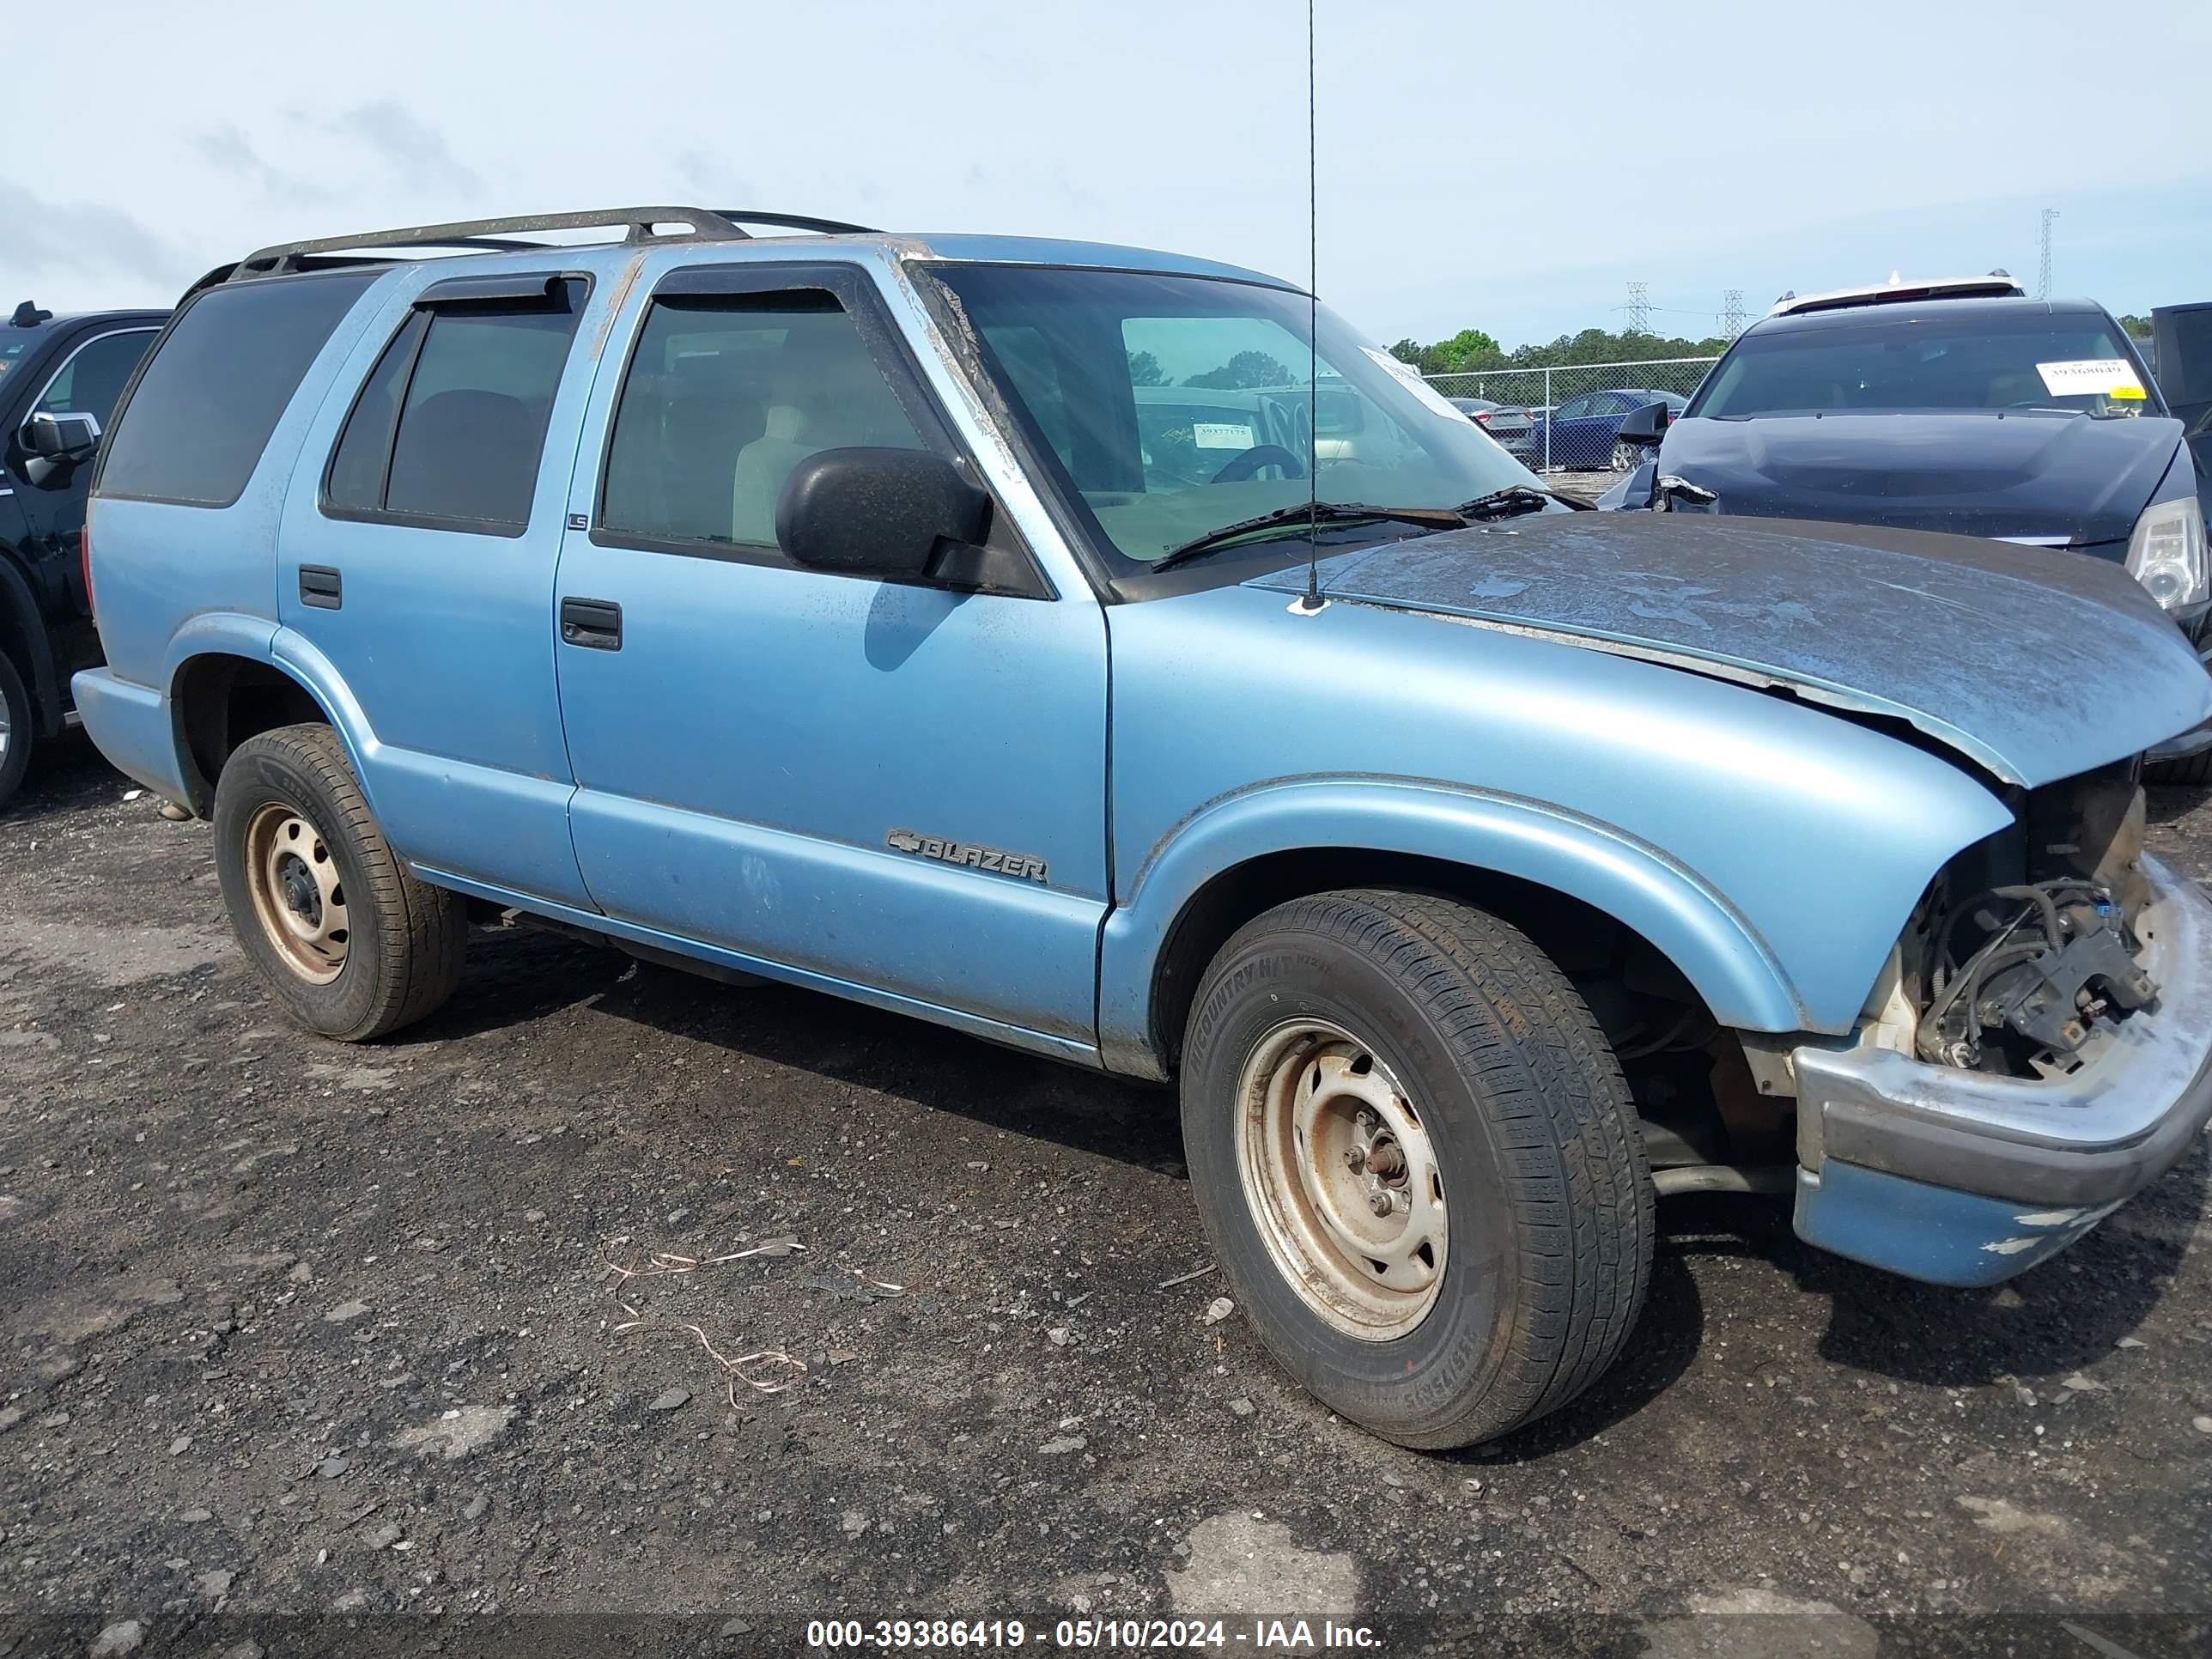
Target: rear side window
[[450, 426], [724, 396], [203, 410]]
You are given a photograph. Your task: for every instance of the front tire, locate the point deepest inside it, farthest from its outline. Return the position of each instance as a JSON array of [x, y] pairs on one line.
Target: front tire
[[18, 725], [1416, 1157], [2190, 772], [353, 945]]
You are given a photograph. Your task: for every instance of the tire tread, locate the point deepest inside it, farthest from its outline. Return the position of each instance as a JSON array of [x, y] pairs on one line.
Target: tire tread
[[422, 930], [2191, 771], [1561, 1110]]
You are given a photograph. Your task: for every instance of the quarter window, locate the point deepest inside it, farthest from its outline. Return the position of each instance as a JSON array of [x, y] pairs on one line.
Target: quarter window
[[364, 451], [450, 427], [195, 428], [726, 395]]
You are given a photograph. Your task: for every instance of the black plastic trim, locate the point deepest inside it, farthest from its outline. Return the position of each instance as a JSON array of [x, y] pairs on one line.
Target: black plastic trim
[[592, 624], [322, 587], [1943, 1156], [510, 288]]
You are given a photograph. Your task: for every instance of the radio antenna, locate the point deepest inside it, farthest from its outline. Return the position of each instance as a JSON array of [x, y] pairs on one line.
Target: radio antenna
[[1312, 601]]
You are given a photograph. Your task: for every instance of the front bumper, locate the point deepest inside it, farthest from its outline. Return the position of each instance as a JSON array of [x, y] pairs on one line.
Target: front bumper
[[1967, 1178]]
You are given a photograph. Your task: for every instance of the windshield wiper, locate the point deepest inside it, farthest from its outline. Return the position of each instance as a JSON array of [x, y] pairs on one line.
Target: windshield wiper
[[1510, 502], [1292, 518]]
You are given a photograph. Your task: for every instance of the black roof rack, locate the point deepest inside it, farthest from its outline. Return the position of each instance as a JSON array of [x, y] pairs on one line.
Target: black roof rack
[[796, 222], [501, 234]]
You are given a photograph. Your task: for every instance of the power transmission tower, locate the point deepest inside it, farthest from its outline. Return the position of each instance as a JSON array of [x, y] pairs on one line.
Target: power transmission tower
[[1731, 313], [1638, 308], [2043, 283]]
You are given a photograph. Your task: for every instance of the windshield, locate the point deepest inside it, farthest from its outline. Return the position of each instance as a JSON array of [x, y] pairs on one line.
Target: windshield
[[16, 345], [2020, 359], [1175, 405]]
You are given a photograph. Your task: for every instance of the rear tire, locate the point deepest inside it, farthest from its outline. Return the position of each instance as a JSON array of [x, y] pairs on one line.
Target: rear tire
[[18, 728], [2190, 772], [354, 946], [1440, 1047]]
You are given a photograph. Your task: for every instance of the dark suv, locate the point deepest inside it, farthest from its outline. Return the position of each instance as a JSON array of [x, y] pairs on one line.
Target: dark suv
[[1961, 406], [59, 380]]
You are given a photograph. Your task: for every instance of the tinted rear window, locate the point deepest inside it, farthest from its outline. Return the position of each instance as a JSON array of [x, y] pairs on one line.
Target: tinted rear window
[[449, 430], [473, 427], [206, 404]]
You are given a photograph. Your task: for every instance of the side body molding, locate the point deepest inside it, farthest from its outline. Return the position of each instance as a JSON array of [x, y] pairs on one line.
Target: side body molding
[[1716, 947]]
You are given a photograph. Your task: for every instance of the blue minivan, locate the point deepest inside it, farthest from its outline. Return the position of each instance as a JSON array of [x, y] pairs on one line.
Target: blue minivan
[[822, 606]]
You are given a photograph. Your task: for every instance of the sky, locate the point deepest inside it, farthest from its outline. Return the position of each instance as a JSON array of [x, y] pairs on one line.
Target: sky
[[1510, 168]]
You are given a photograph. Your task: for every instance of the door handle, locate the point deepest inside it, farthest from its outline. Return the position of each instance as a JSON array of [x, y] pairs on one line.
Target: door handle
[[321, 586], [593, 624]]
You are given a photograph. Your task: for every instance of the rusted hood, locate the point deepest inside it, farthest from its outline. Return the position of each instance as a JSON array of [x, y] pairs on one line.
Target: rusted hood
[[2035, 664]]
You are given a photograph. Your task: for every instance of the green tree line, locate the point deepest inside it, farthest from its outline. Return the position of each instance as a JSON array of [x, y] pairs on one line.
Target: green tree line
[[1471, 349]]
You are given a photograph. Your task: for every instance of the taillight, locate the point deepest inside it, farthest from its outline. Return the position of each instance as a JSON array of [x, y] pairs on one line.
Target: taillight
[[84, 560], [1482, 416]]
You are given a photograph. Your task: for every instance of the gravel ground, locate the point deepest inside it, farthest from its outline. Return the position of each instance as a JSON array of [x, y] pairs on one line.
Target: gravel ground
[[309, 1348]]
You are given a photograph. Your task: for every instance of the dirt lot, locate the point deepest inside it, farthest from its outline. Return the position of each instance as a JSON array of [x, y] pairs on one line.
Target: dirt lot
[[309, 1347]]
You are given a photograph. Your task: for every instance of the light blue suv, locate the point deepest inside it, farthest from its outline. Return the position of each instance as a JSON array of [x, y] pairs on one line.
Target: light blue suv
[[844, 608]]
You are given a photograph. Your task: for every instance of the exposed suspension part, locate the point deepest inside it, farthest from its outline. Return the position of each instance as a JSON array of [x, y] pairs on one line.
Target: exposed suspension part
[[2054, 959]]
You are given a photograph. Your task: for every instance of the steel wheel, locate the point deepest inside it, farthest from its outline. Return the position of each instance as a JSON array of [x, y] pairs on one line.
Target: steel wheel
[[1341, 1180], [297, 896]]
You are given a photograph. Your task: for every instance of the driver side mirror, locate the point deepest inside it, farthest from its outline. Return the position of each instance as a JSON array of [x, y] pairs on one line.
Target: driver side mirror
[[60, 437], [881, 513], [1646, 425]]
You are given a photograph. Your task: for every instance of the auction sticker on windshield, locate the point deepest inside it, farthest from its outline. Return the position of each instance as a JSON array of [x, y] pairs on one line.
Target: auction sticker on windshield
[[2090, 377], [1220, 435]]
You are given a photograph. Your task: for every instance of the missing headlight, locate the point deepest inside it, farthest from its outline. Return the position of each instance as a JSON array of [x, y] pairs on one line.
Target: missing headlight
[[2026, 946], [2047, 961]]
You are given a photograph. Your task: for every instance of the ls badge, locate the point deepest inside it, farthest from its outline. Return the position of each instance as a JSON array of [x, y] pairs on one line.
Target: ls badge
[[1020, 865]]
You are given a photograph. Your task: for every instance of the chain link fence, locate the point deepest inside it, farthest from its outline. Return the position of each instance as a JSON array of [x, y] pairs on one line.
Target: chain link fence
[[1568, 418]]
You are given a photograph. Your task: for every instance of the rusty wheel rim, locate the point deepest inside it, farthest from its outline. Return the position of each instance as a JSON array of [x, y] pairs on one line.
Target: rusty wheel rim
[[1342, 1180], [298, 897]]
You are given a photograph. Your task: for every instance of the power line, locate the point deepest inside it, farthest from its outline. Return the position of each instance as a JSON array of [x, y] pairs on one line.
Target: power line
[[2043, 284], [1638, 308], [1732, 318]]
